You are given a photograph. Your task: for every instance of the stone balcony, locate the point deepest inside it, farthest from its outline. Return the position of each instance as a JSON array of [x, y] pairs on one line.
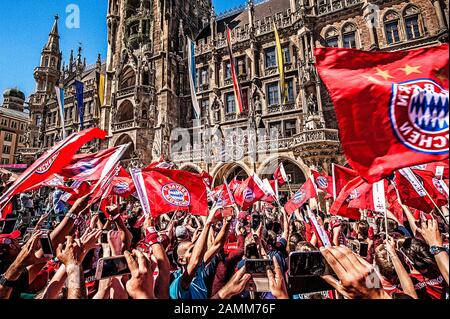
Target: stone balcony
[[326, 7]]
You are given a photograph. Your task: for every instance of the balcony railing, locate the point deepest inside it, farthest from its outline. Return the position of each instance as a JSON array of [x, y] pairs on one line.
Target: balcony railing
[[271, 109], [28, 150], [336, 5], [315, 136]]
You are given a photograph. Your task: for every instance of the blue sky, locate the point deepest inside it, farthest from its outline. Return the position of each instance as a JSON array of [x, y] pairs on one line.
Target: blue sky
[[24, 29]]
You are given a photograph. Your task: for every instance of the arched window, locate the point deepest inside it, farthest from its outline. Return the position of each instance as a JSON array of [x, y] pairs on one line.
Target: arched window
[[46, 61], [411, 16], [349, 36], [332, 37], [125, 112], [391, 27], [127, 79]]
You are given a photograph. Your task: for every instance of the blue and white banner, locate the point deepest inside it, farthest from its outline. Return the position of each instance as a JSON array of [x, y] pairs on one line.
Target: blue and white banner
[[60, 98], [79, 88], [193, 77]]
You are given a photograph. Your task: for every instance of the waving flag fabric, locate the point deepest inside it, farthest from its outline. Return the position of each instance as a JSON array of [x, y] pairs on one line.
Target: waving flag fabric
[[50, 163], [305, 193], [193, 77], [391, 107]]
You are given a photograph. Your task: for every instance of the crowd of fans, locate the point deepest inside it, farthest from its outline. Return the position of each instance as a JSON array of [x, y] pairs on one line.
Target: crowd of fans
[[183, 256]]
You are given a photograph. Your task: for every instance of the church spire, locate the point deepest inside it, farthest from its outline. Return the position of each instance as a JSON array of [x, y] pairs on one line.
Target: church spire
[[53, 38]]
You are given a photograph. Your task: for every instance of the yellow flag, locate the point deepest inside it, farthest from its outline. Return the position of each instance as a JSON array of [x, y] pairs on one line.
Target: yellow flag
[[280, 59]]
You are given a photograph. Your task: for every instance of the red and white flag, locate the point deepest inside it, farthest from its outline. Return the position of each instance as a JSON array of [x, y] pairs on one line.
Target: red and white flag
[[348, 193], [249, 192], [109, 171], [280, 175], [236, 85], [341, 176], [51, 162], [405, 119], [306, 192], [88, 167]]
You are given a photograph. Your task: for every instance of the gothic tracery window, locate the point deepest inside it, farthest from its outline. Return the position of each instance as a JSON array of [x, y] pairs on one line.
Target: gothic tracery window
[[349, 36], [411, 16], [391, 27], [332, 38]]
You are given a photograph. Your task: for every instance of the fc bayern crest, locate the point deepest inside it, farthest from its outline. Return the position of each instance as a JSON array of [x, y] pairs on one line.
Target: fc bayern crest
[[419, 115], [121, 188], [322, 182], [249, 195], [176, 194], [299, 197], [353, 195], [47, 164]]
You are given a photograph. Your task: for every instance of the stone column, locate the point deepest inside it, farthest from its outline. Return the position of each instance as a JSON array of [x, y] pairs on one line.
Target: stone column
[[440, 15], [371, 16]]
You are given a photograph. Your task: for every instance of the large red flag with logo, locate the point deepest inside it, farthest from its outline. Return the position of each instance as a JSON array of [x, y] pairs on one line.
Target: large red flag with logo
[[51, 162], [171, 190], [341, 177], [306, 192], [248, 193], [392, 107]]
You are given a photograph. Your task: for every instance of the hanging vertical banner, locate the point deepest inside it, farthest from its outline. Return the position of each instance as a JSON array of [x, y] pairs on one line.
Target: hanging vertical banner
[[101, 89], [138, 180], [60, 97], [379, 198], [236, 85], [79, 88], [193, 77], [280, 59]]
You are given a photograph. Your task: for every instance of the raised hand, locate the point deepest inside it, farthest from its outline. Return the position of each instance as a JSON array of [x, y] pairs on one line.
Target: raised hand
[[235, 286], [358, 279], [276, 281], [115, 242], [27, 255], [430, 232], [140, 286], [89, 239], [71, 254]]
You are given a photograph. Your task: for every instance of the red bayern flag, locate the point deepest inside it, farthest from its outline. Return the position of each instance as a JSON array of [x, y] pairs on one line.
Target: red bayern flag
[[248, 193], [392, 107], [341, 177], [306, 192], [50, 163], [349, 192], [171, 190], [122, 184], [88, 167], [207, 179], [323, 182]]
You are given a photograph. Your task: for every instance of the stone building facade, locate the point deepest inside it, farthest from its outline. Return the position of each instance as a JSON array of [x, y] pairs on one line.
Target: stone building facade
[[306, 122], [14, 120], [45, 127], [147, 88], [147, 94]]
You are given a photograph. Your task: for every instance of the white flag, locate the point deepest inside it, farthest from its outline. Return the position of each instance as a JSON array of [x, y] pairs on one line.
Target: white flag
[[379, 198], [138, 179]]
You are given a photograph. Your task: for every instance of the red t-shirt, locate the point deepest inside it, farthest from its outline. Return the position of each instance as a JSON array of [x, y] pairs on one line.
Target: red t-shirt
[[429, 288]]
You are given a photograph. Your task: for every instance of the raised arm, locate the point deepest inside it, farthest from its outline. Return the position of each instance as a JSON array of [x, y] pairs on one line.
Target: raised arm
[[219, 241], [198, 252], [430, 232]]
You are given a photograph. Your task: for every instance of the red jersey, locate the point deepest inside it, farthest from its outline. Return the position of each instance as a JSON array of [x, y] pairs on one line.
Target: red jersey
[[429, 288]]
